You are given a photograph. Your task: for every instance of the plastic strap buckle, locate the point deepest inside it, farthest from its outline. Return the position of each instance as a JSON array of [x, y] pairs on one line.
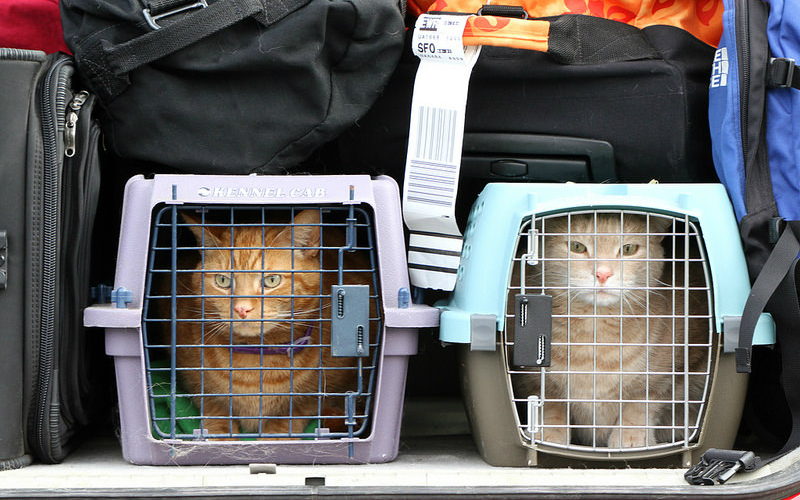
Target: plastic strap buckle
[[781, 72], [152, 18], [720, 465]]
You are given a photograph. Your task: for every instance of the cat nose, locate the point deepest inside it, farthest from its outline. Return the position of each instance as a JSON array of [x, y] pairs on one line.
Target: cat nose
[[603, 274], [242, 310]]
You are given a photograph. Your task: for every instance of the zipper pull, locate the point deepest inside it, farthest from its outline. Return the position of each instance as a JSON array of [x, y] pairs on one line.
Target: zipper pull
[[71, 124]]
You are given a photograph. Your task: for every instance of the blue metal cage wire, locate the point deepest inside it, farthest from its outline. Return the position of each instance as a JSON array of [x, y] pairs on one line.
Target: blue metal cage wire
[[180, 412]]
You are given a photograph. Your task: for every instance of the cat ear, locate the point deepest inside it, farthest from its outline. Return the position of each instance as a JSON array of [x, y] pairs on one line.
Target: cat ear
[[204, 235], [659, 225], [305, 232]]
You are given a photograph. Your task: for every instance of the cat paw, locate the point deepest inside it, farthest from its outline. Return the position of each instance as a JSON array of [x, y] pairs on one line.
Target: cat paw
[[556, 435], [628, 438]]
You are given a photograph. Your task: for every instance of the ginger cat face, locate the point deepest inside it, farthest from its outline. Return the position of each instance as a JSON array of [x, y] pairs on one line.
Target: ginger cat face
[[257, 279]]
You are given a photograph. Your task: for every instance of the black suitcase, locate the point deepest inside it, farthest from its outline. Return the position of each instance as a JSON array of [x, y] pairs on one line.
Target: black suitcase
[[49, 173]]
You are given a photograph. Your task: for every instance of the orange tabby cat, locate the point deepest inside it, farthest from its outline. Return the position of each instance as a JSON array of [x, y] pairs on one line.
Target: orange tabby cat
[[612, 334], [253, 295]]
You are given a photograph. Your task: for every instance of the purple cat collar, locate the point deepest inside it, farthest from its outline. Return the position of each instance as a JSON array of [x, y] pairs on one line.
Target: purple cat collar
[[288, 349]]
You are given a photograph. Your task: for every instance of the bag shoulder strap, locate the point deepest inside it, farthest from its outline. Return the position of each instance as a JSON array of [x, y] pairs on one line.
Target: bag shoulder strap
[[774, 289], [771, 277], [107, 65]]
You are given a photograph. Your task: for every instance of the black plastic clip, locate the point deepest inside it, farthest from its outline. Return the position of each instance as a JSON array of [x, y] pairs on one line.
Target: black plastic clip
[[775, 228], [781, 73], [720, 465], [514, 11]]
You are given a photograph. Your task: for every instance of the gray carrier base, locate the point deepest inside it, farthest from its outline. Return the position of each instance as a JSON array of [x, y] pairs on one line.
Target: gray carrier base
[[500, 443]]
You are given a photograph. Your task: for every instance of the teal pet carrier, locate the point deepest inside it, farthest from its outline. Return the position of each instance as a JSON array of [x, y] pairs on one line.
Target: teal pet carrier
[[598, 322]]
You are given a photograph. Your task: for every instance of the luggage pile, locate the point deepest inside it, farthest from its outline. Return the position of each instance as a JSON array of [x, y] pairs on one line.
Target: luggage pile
[[259, 158]]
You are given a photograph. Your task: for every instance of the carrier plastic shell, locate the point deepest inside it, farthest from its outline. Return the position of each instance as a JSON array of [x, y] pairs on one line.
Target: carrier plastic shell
[[480, 295], [123, 322], [497, 214]]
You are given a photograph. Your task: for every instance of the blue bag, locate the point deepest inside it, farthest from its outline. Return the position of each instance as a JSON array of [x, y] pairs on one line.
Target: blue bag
[[753, 104]]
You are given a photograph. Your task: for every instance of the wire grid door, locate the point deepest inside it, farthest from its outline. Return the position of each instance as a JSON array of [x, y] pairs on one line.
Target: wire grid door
[[242, 337], [621, 353]]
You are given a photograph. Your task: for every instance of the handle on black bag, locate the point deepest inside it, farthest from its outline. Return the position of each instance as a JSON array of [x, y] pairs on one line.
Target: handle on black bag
[[107, 65], [580, 39]]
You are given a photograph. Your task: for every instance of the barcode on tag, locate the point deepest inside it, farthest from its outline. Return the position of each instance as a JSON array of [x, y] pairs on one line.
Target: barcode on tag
[[437, 134], [431, 183], [432, 171]]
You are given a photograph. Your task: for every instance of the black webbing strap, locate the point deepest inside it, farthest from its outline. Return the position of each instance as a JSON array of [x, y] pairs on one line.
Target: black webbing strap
[[775, 271], [785, 309], [108, 65], [161, 6], [188, 29], [775, 289]]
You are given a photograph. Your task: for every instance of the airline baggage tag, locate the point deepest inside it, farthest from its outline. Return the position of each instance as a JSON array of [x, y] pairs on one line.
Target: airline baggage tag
[[435, 140]]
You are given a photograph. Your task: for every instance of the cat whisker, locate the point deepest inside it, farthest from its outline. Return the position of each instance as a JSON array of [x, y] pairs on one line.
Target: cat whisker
[[303, 312]]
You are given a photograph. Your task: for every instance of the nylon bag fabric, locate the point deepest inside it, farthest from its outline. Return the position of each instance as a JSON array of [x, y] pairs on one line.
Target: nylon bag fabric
[[50, 169], [754, 103], [698, 17], [640, 86], [755, 145], [239, 86]]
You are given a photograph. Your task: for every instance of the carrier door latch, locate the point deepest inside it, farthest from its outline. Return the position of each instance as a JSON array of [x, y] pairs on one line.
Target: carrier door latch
[[350, 320], [533, 319]]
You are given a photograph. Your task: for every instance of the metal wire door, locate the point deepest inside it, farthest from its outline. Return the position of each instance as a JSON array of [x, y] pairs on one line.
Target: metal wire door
[[261, 322], [609, 337]]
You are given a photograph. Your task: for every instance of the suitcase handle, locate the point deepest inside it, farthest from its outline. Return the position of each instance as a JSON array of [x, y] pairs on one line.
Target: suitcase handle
[[536, 158]]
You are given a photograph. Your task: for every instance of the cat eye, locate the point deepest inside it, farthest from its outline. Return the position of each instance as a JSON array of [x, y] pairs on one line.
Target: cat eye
[[222, 280], [629, 249], [577, 247], [272, 280]]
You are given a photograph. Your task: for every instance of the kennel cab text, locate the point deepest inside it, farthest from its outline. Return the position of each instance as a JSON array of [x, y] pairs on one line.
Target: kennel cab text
[[262, 192]]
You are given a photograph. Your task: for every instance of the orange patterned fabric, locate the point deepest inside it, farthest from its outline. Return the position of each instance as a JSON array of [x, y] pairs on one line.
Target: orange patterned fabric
[[701, 18], [505, 32]]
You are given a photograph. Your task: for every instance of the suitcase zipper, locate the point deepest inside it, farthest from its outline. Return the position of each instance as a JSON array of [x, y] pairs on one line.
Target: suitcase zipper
[[71, 123], [743, 49], [44, 435], [80, 179]]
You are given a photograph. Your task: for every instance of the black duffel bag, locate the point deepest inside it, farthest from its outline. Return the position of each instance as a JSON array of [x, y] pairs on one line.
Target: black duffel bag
[[606, 102], [231, 86]]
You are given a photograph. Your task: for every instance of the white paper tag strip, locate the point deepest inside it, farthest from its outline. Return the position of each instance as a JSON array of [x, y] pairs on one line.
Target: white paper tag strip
[[435, 141]]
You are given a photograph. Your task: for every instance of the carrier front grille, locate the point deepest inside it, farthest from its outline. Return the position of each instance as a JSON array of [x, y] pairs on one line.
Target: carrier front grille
[[261, 322], [609, 338]]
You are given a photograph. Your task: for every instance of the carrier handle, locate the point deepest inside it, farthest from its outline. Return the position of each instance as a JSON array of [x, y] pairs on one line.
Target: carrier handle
[[536, 157]]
